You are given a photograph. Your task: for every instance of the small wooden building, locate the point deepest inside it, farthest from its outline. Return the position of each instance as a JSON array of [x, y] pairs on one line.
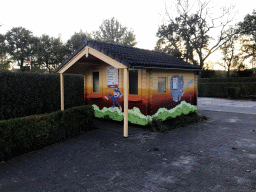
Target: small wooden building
[[131, 84]]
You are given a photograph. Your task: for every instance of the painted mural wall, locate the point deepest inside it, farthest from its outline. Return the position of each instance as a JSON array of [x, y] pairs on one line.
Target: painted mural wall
[[178, 96], [180, 86]]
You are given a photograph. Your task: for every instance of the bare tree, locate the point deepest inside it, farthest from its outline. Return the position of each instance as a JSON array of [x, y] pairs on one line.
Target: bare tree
[[230, 57], [193, 31], [248, 27]]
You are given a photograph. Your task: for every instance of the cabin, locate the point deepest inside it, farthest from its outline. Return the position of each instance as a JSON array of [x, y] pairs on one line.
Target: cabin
[[124, 83]]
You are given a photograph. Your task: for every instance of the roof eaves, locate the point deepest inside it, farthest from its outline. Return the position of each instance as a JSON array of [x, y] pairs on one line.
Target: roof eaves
[[70, 57], [104, 51], [99, 46], [167, 68], [130, 56], [124, 62]]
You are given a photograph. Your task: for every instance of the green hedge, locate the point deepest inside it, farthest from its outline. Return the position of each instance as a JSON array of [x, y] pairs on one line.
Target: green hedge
[[230, 79], [24, 94], [238, 87], [170, 123], [24, 134]]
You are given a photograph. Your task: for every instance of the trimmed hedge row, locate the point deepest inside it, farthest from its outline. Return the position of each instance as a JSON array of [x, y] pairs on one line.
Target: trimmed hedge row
[[24, 94], [230, 79], [24, 134], [227, 87]]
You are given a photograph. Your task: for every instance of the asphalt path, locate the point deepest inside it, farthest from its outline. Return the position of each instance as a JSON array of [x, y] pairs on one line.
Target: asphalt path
[[226, 105], [218, 154]]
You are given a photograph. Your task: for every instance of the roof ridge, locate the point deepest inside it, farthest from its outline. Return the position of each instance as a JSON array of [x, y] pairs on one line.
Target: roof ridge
[[133, 56], [110, 53], [135, 48], [113, 54], [104, 42]]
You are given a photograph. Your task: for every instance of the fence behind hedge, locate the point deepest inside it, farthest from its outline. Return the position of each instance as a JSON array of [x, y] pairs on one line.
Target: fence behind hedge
[[227, 87], [23, 94]]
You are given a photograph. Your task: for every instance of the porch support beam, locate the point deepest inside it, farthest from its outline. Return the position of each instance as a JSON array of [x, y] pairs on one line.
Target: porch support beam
[[106, 59], [78, 56], [126, 80], [62, 90]]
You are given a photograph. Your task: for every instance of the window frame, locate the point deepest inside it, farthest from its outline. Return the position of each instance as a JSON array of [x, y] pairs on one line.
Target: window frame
[[166, 80], [93, 81], [137, 82]]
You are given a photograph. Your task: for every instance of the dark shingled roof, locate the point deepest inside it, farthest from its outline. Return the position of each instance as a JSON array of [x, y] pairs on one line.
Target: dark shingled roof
[[134, 57]]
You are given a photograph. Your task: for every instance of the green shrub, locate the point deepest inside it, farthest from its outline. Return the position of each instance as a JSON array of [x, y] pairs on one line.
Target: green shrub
[[219, 87], [24, 94], [157, 126], [244, 73], [25, 134], [75, 118], [232, 92], [172, 123], [207, 73], [230, 79]]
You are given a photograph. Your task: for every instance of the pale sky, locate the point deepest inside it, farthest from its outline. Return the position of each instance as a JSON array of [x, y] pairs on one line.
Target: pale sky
[[54, 17]]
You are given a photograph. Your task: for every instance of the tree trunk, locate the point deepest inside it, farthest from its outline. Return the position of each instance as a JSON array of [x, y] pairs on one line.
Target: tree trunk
[[228, 71], [47, 66], [21, 64], [201, 60]]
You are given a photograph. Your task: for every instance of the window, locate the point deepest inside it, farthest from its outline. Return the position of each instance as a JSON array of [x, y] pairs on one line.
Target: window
[[161, 84], [133, 82], [175, 83], [96, 82]]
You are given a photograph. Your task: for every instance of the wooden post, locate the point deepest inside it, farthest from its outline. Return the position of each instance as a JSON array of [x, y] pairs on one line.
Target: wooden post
[[62, 90], [197, 90], [126, 80], [84, 87]]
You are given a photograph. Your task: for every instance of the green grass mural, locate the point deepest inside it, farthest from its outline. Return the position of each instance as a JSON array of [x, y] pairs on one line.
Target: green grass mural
[[136, 117]]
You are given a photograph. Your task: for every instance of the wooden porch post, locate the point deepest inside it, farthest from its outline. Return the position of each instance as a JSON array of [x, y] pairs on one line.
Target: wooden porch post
[[62, 90], [126, 80]]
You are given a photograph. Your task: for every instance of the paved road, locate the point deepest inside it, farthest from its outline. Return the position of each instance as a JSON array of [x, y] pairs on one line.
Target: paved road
[[227, 105], [214, 155]]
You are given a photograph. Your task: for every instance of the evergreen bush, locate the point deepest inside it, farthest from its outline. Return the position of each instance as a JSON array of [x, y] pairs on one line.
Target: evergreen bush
[[24, 134], [172, 123], [24, 94], [207, 73], [232, 92], [220, 87], [243, 73]]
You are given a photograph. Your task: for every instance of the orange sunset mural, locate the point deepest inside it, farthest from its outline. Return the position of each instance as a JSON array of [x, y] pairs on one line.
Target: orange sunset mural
[[157, 85], [174, 88]]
